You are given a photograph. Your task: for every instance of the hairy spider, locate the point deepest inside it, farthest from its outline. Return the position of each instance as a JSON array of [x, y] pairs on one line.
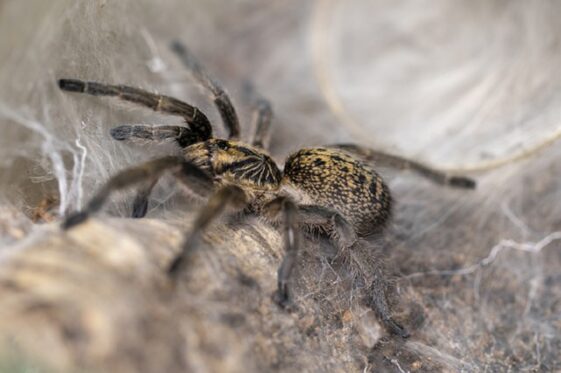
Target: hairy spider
[[332, 188]]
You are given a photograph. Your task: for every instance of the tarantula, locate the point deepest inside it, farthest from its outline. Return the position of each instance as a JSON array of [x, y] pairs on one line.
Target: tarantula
[[332, 188]]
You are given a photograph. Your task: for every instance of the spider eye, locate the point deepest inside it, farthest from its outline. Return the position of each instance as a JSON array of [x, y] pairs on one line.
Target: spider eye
[[222, 145]]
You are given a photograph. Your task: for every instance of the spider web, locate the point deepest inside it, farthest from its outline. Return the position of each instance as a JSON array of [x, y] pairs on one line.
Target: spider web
[[475, 274]]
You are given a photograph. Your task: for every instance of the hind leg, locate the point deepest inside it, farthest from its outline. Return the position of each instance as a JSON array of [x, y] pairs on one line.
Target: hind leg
[[390, 160], [343, 237]]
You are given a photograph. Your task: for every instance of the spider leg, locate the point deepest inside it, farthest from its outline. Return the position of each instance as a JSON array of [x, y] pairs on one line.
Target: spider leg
[[262, 115], [140, 204], [226, 196], [220, 97], [150, 171], [197, 121], [292, 239], [379, 302], [345, 238], [182, 135], [390, 160], [342, 233], [310, 215]]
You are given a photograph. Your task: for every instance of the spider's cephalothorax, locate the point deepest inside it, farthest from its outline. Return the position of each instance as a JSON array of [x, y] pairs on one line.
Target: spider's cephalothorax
[[331, 188], [233, 162]]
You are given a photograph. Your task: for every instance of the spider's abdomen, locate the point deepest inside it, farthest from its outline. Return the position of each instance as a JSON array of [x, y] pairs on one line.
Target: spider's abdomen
[[334, 179]]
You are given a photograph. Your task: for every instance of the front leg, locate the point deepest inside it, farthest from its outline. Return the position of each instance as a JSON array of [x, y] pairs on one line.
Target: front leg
[[148, 172], [226, 196], [199, 124], [220, 97]]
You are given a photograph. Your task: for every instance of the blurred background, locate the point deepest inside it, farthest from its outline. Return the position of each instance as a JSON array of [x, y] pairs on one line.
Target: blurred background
[[472, 87]]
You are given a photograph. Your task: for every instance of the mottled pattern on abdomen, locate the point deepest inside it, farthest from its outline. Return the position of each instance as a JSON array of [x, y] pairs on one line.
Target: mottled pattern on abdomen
[[336, 180]]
